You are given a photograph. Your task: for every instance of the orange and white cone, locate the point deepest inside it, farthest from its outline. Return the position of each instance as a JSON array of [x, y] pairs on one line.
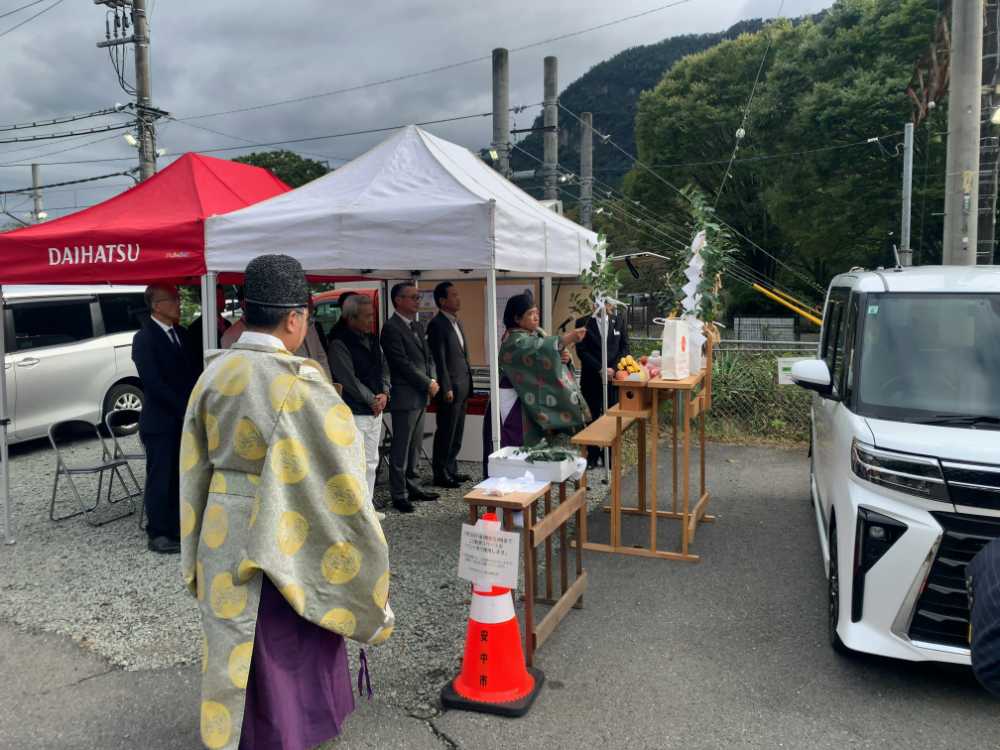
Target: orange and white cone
[[494, 678]]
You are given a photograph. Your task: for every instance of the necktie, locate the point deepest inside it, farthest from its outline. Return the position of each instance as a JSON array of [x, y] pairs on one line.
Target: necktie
[[173, 337]]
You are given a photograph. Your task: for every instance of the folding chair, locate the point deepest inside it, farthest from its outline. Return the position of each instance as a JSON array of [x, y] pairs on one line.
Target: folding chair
[[119, 423], [58, 434]]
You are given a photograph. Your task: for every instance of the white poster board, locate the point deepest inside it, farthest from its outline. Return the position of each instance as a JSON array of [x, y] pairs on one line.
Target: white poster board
[[488, 555], [785, 369]]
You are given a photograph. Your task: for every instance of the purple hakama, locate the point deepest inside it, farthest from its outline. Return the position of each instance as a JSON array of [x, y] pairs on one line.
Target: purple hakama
[[299, 690]]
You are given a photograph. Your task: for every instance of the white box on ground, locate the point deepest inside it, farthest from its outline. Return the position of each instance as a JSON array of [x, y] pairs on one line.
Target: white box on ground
[[488, 555], [507, 463]]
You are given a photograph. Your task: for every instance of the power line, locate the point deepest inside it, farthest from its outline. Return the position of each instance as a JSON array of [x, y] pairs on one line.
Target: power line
[[53, 153], [438, 69], [23, 7], [60, 120], [68, 182], [741, 132], [64, 134], [16, 26], [680, 192], [249, 141]]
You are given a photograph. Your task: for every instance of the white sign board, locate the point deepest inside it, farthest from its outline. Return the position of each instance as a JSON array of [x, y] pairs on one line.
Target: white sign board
[[785, 369], [488, 555]]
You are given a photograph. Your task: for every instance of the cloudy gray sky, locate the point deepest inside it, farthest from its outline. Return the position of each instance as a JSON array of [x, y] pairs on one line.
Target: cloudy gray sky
[[215, 55]]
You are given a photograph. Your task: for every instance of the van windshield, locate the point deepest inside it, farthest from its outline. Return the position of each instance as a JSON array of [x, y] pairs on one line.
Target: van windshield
[[931, 358]]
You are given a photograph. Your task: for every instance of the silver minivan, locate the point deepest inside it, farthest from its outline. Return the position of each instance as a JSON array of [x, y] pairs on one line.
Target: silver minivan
[[69, 354]]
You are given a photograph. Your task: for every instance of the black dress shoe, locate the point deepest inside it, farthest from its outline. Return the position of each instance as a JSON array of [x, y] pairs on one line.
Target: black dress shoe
[[164, 545], [459, 477], [445, 483], [423, 495], [403, 505]]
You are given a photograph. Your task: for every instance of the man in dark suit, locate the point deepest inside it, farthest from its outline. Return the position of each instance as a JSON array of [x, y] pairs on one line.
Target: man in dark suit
[[167, 376], [451, 360], [984, 590], [193, 337], [412, 380], [591, 382]]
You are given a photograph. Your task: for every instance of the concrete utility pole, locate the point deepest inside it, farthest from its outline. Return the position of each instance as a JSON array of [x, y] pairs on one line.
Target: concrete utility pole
[[146, 113], [586, 169], [550, 137], [961, 200], [37, 212], [905, 251], [501, 110]]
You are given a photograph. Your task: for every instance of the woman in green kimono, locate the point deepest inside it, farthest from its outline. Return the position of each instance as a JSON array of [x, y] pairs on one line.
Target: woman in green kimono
[[539, 395]]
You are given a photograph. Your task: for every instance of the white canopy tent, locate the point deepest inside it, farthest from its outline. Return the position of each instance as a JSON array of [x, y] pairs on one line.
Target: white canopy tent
[[414, 205]]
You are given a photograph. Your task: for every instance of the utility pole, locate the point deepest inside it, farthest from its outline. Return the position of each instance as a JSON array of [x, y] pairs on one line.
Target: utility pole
[[905, 251], [550, 137], [586, 169], [37, 213], [501, 110], [961, 200], [146, 113]]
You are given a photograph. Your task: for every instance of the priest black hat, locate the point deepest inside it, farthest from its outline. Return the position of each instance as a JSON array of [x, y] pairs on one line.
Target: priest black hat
[[274, 283]]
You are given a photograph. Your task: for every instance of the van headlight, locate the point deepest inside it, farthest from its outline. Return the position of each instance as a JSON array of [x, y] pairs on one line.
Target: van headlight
[[913, 475]]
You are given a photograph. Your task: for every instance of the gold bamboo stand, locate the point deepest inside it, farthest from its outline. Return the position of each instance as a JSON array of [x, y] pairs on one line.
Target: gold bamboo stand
[[639, 404]]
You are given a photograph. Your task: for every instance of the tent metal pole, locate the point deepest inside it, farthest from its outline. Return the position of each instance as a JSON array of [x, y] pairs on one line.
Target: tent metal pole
[[8, 524], [547, 311], [209, 313], [494, 354]]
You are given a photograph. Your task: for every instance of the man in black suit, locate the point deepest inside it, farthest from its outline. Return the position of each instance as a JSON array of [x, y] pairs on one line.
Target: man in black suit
[[167, 376], [412, 380], [983, 575], [591, 382], [193, 337], [451, 360]]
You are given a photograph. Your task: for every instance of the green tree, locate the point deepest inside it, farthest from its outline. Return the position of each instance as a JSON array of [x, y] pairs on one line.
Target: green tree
[[287, 166], [818, 207]]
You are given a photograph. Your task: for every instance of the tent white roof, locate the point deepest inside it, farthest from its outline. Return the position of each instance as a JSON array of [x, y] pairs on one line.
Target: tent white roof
[[414, 202]]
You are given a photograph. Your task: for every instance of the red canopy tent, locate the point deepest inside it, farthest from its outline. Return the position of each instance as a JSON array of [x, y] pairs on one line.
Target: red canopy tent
[[155, 231]]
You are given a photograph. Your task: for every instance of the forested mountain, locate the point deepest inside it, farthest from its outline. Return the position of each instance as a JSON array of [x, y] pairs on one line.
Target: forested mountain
[[610, 90]]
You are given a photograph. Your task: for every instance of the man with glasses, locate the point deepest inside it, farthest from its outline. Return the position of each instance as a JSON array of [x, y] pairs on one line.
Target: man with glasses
[[167, 376], [411, 374]]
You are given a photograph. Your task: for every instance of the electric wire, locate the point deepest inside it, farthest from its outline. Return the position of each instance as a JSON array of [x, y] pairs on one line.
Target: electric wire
[[67, 182], [64, 134], [16, 26]]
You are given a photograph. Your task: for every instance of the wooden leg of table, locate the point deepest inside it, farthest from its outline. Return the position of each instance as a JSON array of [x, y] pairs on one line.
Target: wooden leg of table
[[654, 453], [581, 523], [548, 545], [581, 527], [701, 441], [529, 590], [686, 468], [676, 408], [616, 487], [473, 514], [563, 549], [642, 449]]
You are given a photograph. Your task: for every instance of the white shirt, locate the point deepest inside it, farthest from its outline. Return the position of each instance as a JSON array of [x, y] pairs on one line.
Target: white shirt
[[403, 318], [256, 338], [454, 324], [167, 329]]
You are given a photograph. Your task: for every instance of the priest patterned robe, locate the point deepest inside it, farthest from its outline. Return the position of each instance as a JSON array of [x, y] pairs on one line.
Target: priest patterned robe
[[273, 483], [547, 390]]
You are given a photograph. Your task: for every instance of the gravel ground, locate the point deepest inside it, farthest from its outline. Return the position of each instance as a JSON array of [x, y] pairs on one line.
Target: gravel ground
[[102, 588]]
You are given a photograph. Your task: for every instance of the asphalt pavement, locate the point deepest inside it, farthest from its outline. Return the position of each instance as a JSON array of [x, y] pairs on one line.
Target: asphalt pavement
[[729, 652]]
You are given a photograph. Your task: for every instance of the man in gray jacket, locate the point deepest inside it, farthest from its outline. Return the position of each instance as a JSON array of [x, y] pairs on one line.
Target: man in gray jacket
[[411, 371]]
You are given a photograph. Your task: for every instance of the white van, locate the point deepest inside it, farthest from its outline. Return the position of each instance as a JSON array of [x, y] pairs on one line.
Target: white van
[[905, 453], [69, 354]]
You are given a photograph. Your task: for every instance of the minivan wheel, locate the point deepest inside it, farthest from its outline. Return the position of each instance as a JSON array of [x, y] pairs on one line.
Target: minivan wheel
[[833, 597], [120, 397]]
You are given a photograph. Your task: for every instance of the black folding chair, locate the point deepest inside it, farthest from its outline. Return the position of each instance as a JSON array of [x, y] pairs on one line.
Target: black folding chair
[[59, 435], [121, 424]]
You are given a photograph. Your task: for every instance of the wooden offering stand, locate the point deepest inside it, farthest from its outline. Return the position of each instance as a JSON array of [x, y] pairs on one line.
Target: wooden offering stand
[[639, 404], [534, 533]]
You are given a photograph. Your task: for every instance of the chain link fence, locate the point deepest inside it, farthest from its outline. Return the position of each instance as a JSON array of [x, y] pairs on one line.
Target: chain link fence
[[748, 404]]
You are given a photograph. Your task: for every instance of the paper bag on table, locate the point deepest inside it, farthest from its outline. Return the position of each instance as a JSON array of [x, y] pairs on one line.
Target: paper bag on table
[[674, 350]]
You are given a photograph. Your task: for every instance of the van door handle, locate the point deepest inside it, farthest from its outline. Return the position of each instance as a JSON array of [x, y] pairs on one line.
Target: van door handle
[[27, 362]]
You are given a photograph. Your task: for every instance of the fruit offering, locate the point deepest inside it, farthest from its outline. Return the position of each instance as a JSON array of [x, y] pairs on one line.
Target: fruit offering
[[628, 364]]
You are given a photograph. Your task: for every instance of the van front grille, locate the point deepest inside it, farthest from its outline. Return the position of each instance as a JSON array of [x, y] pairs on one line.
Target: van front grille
[[942, 611], [973, 485]]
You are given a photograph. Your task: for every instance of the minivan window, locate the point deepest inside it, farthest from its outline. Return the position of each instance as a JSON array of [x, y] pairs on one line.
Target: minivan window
[[835, 321], [37, 325], [122, 312], [930, 358]]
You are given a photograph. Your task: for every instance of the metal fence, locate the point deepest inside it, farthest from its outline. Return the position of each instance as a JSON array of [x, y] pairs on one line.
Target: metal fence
[[748, 404]]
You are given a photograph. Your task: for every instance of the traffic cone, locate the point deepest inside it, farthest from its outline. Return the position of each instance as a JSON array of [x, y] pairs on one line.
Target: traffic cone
[[494, 678]]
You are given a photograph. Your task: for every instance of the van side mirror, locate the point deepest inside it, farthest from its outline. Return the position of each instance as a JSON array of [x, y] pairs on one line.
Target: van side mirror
[[813, 375]]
